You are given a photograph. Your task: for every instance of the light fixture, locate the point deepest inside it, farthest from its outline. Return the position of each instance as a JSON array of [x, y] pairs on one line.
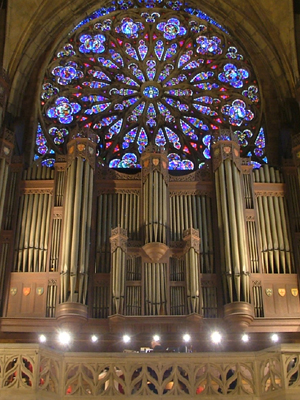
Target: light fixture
[[186, 337], [274, 337], [216, 337], [245, 338], [126, 338], [42, 338], [64, 338], [94, 338], [156, 338]]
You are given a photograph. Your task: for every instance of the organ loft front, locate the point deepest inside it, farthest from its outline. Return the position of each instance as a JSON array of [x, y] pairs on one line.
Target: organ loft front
[[107, 249]]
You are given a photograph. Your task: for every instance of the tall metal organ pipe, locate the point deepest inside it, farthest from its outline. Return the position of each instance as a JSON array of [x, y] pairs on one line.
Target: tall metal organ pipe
[[77, 220], [232, 229]]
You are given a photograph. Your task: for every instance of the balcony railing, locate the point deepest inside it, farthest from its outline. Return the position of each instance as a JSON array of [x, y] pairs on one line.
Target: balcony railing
[[35, 372]]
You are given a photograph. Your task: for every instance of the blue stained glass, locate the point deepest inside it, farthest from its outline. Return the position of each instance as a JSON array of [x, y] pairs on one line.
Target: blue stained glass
[[206, 153], [129, 28], [150, 17], [131, 51], [129, 160], [171, 28], [260, 141], [48, 162], [138, 111], [209, 46], [188, 131], [58, 135], [98, 108], [175, 163], [202, 76], [67, 73], [92, 98], [92, 44], [64, 110], [151, 69], [171, 51], [165, 113], [151, 115], [114, 129], [49, 91], [159, 49], [129, 138], [180, 92], [143, 49], [105, 122], [151, 92], [232, 53], [237, 112], [116, 57], [67, 51], [122, 92], [99, 75], [176, 81], [126, 80], [251, 93], [242, 137], [136, 72], [165, 72], [95, 84], [104, 26], [142, 140], [206, 86], [107, 63], [205, 109], [233, 76], [185, 58], [160, 139], [194, 64], [173, 138], [129, 102]]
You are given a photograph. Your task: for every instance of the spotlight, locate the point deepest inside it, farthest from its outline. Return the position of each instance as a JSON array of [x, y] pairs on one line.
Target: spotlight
[[186, 338], [64, 338], [156, 338], [245, 338], [94, 338], [126, 338], [216, 337], [42, 339], [274, 337]]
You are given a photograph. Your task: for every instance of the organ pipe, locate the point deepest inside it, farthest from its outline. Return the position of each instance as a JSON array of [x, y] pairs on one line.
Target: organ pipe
[[192, 270], [231, 221], [77, 220], [118, 242]]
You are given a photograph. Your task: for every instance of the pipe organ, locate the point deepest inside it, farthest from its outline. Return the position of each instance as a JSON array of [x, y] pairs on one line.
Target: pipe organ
[[95, 243]]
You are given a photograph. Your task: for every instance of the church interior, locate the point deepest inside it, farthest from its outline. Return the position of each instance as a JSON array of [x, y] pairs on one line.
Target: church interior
[[150, 185]]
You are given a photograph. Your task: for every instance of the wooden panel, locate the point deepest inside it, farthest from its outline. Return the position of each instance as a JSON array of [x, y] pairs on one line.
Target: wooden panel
[[28, 294]]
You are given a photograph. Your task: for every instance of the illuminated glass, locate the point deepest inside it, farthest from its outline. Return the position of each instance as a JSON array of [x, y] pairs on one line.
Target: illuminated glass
[[139, 73]]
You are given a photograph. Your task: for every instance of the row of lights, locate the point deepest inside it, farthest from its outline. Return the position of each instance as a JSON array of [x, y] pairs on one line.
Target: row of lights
[[65, 338]]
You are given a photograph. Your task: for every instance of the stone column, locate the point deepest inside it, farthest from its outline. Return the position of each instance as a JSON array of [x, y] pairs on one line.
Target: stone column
[[232, 230]]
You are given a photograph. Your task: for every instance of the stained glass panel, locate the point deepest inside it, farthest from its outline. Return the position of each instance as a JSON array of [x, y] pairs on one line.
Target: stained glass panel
[[141, 76]]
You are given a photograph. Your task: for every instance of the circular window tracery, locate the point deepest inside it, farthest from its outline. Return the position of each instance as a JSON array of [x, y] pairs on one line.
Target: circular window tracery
[[152, 77]]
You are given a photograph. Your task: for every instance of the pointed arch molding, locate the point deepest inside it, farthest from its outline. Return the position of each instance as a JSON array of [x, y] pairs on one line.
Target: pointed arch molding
[[53, 20]]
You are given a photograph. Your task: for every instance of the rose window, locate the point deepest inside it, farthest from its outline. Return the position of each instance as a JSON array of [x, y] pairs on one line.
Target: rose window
[[145, 73]]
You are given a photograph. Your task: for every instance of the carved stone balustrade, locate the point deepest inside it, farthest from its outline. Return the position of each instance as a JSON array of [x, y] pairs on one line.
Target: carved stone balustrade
[[35, 372]]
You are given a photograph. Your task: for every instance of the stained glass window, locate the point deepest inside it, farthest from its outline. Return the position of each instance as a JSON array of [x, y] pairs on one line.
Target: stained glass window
[[160, 72]]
